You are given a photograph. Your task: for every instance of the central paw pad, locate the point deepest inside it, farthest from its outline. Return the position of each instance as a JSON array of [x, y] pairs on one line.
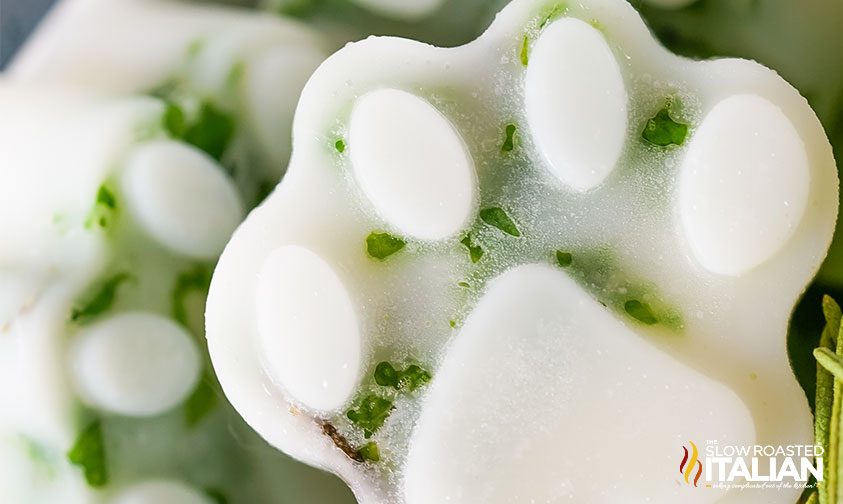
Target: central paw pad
[[497, 271]]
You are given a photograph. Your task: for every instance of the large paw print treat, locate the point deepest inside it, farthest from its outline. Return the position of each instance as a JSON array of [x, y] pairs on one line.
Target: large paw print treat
[[111, 228], [231, 77], [529, 269]]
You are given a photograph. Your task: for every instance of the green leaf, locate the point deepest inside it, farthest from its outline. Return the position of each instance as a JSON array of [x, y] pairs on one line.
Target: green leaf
[[497, 217], [101, 301], [640, 311], [105, 206], [212, 132], [830, 361], [370, 452], [196, 279], [201, 402], [475, 252], [340, 146], [662, 130], [509, 141], [525, 51], [826, 392], [371, 414], [88, 452], [174, 120], [382, 245], [564, 259]]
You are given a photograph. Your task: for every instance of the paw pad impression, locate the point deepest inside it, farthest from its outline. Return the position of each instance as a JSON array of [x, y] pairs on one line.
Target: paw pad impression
[[494, 271]]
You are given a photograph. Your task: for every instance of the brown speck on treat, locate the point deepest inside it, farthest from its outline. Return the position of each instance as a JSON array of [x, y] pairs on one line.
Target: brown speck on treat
[[341, 442]]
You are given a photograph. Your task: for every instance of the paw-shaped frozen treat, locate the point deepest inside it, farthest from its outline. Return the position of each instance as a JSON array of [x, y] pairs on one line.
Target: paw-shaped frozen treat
[[231, 77], [529, 269], [111, 228]]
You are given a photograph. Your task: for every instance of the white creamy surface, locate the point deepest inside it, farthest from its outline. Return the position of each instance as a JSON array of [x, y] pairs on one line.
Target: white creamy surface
[[251, 64], [696, 318]]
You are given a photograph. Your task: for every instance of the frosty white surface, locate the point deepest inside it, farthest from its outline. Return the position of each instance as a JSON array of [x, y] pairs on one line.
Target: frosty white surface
[[101, 303], [248, 66], [583, 298]]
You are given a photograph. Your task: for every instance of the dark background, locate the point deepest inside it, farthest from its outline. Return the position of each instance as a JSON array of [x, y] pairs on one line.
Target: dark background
[[17, 19]]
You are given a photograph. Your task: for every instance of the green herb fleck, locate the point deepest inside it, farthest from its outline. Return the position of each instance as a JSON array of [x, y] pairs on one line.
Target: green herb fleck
[[104, 207], [452, 323], [88, 452], [371, 414], [640, 311], [174, 120], [555, 13], [475, 252], [102, 300], [564, 259], [464, 285], [196, 279], [382, 245], [201, 402], [409, 379], [370, 452], [212, 132], [525, 50], [340, 146], [497, 217], [662, 130], [509, 141]]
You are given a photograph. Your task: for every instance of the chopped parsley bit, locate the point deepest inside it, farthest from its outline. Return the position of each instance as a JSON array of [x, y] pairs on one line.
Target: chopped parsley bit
[[640, 311], [498, 218], [216, 495], [509, 141], [371, 414], [174, 120], [196, 279], [555, 13], [88, 452], [382, 245], [662, 130], [104, 207], [370, 452], [102, 300], [464, 285], [340, 146], [341, 442], [410, 379], [564, 259], [452, 323], [525, 50], [211, 132], [201, 402], [474, 251], [295, 8]]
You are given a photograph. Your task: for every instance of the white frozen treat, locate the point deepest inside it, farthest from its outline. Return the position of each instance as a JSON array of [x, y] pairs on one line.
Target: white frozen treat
[[529, 269], [231, 77], [113, 226]]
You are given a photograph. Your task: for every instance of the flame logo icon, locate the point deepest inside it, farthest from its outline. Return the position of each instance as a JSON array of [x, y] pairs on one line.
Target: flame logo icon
[[690, 462]]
